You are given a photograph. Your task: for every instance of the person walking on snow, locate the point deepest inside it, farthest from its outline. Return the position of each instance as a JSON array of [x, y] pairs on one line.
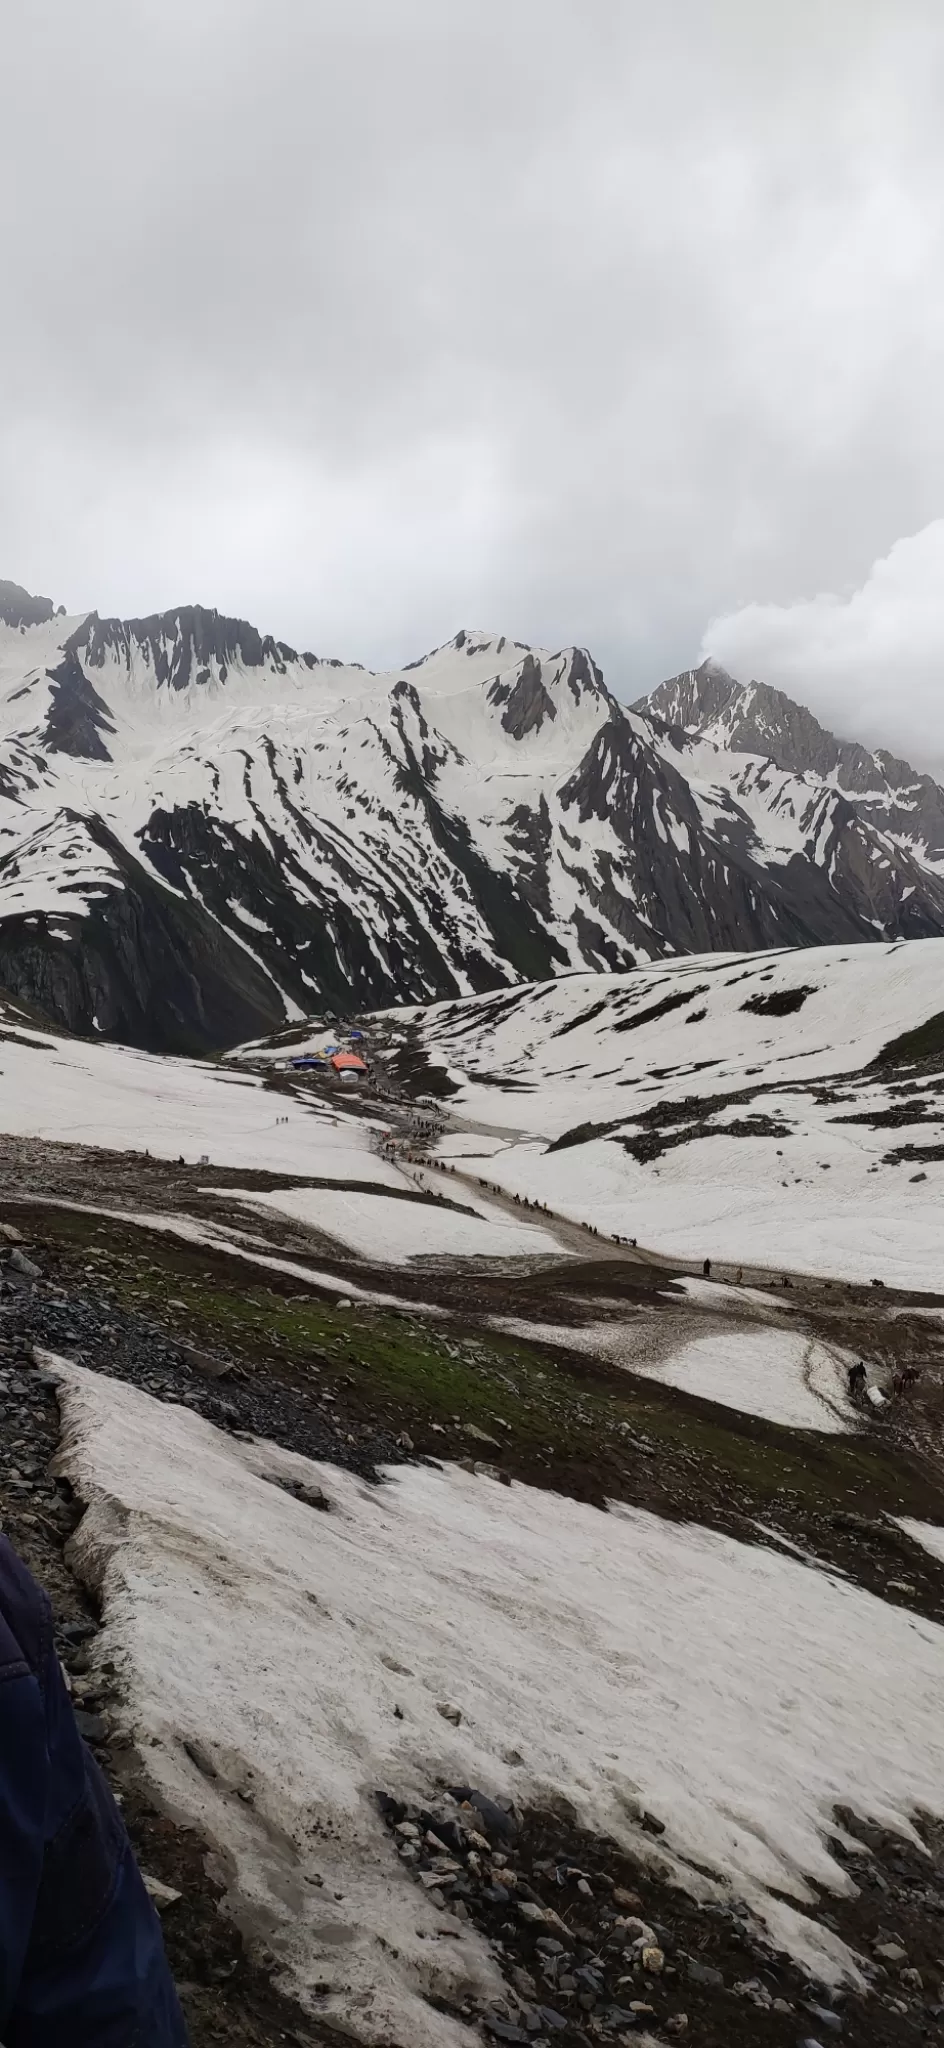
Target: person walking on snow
[[82, 1962], [706, 1269]]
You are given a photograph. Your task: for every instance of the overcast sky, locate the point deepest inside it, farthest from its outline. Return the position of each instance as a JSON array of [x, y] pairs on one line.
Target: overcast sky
[[610, 321]]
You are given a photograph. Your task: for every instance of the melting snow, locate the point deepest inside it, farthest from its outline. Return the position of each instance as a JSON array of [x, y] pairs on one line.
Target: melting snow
[[774, 1373], [777, 1374], [926, 1533], [732, 1691]]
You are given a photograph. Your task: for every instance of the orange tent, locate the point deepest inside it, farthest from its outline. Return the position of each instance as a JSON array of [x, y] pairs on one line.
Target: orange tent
[[349, 1062]]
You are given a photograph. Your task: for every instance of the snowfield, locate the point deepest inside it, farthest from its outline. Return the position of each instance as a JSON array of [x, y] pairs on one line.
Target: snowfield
[[777, 1374], [727, 1106], [771, 1373], [118, 1098], [391, 1231], [74, 1091], [736, 1693]]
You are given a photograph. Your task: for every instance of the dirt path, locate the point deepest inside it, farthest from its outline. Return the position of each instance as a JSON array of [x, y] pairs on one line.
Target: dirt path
[[818, 1393], [577, 1239]]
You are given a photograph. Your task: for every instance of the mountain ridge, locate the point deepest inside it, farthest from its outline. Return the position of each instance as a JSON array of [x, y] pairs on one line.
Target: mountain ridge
[[205, 834], [765, 720]]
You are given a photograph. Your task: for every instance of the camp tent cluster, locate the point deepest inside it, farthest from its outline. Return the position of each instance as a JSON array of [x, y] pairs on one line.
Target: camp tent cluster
[[348, 1066]]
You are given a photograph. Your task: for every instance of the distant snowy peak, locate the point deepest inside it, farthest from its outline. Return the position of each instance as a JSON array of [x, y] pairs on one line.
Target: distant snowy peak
[[754, 718], [205, 833], [189, 645]]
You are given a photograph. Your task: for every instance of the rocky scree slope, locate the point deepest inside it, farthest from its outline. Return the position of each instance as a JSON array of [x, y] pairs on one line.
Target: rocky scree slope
[[205, 834]]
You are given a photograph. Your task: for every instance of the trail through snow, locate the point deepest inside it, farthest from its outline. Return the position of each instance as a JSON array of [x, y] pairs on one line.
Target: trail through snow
[[735, 1107]]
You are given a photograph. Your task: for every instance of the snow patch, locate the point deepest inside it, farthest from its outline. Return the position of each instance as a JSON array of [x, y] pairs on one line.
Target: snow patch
[[382, 1228], [776, 1374], [734, 1692]]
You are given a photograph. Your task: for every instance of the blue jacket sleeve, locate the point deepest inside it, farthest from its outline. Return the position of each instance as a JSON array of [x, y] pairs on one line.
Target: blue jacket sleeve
[[82, 1957]]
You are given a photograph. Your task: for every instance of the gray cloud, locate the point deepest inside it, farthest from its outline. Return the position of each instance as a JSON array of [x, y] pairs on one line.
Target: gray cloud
[[588, 322], [850, 651]]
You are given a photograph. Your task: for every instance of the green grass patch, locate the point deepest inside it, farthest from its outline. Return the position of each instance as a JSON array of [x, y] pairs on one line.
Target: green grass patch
[[601, 1430]]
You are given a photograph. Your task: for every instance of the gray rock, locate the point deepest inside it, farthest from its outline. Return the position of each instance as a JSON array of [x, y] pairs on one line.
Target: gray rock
[[706, 1974], [830, 2020], [313, 1497], [21, 1264], [77, 1631], [92, 1727], [162, 1894], [638, 1931]]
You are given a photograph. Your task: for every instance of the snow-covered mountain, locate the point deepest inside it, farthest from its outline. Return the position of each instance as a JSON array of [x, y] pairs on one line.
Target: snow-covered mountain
[[751, 718], [204, 833]]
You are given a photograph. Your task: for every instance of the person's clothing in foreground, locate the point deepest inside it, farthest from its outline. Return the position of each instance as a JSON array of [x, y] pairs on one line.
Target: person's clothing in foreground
[[82, 1961]]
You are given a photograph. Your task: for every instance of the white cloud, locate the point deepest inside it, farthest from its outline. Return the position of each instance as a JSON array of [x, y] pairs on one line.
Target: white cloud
[[869, 662]]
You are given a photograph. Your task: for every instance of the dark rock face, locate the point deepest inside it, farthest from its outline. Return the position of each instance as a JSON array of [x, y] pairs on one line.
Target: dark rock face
[[183, 646], [19, 608], [526, 701], [142, 967], [77, 716]]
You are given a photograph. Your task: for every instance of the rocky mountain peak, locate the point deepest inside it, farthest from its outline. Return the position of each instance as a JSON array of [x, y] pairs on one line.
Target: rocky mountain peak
[[187, 645], [247, 840], [755, 718], [18, 607], [694, 700]]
